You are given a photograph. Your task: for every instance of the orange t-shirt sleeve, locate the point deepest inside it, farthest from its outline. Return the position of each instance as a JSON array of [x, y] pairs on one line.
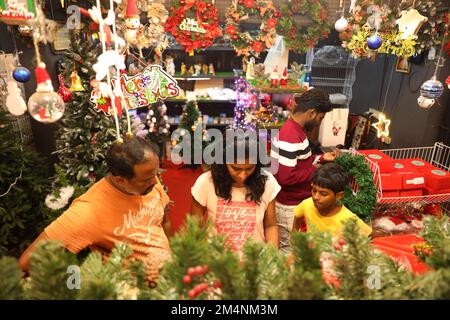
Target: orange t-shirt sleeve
[[77, 228]]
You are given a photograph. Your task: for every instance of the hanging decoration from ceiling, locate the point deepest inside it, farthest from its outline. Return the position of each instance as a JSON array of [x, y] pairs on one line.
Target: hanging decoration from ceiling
[[193, 23], [148, 87], [372, 29], [341, 24], [295, 38], [240, 12], [433, 29]]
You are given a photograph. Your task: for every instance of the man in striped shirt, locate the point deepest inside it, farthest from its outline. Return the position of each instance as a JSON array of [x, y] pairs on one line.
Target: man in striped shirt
[[296, 163]]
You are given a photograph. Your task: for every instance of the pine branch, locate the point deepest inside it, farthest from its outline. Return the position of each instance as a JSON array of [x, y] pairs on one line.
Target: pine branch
[[10, 279]]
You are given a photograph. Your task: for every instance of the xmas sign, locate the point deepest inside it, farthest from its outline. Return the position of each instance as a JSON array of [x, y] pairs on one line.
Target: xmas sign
[[189, 24], [148, 87]]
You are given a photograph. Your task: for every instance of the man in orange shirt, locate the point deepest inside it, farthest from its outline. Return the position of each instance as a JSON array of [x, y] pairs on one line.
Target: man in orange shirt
[[126, 206]]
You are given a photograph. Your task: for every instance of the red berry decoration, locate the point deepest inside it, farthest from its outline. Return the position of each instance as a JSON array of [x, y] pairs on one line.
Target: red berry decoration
[[192, 294], [217, 284], [191, 272], [205, 269], [342, 242], [203, 286], [187, 279], [336, 246], [199, 270]]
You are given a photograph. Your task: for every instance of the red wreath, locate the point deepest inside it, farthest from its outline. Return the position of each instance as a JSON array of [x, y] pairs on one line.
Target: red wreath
[[206, 15]]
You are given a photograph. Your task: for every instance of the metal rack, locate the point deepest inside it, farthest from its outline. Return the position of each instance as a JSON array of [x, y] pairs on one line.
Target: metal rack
[[438, 155], [333, 70]]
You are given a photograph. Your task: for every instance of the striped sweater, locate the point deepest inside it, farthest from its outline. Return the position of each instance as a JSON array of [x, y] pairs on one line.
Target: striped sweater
[[295, 163]]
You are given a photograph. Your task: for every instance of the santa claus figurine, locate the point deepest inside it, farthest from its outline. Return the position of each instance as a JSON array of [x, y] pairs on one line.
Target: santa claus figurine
[[283, 80], [274, 78], [132, 22]]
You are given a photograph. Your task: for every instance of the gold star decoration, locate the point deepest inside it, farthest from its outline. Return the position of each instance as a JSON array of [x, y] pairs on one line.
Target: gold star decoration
[[382, 126], [410, 22]]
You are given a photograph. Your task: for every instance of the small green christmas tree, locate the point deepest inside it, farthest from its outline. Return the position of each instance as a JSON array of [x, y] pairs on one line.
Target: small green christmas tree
[[10, 279]]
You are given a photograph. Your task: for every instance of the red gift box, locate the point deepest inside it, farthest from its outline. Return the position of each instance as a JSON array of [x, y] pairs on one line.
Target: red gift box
[[391, 181], [384, 162], [411, 193], [429, 192], [412, 180], [437, 179], [405, 165], [418, 163], [391, 193]]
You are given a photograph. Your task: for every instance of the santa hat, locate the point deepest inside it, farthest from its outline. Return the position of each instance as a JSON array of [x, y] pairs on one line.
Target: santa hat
[[43, 79], [132, 10]]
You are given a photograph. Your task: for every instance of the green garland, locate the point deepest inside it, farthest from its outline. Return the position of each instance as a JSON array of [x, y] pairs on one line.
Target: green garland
[[364, 202], [294, 38]]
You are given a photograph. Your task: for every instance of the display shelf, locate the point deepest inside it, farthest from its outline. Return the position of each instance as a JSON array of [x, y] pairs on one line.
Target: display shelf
[[218, 75], [203, 101]]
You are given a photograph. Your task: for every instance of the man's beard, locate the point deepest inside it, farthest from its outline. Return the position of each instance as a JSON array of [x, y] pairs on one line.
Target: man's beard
[[309, 125]]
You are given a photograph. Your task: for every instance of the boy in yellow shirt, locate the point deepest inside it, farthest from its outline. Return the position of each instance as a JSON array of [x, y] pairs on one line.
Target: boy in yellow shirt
[[323, 211]]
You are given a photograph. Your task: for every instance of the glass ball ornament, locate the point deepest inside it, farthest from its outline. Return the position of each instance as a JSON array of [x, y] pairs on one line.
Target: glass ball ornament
[[21, 74], [432, 89], [424, 102], [46, 106], [341, 24], [374, 42]]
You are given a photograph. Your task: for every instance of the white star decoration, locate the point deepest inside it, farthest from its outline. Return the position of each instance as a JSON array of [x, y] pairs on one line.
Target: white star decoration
[[382, 126]]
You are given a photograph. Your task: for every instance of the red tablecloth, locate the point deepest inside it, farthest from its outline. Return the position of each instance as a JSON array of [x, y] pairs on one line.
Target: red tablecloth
[[401, 249]]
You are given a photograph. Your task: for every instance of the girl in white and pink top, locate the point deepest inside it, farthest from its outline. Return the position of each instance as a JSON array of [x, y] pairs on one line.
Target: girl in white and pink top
[[239, 197]]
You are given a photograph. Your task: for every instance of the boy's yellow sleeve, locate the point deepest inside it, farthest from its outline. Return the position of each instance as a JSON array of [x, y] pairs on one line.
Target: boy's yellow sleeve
[[299, 210], [364, 228]]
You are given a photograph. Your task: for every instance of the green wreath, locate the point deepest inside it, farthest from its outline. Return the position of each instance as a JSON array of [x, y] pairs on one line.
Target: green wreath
[[243, 42], [296, 40], [364, 202]]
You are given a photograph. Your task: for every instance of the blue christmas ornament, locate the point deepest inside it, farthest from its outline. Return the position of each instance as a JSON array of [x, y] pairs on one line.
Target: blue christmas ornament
[[374, 42], [432, 89], [21, 74]]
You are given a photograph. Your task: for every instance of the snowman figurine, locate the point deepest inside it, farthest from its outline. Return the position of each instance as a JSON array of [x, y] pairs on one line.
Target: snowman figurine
[[132, 22], [170, 66]]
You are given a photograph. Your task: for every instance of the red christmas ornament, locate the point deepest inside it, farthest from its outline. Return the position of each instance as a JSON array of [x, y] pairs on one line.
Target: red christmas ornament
[[187, 279], [191, 272], [199, 270], [192, 294], [336, 247], [63, 91], [342, 242]]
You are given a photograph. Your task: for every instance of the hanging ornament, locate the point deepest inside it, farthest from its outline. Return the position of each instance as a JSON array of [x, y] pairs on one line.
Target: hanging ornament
[[432, 89], [76, 82], [45, 105], [63, 91], [374, 41], [425, 102], [447, 82], [382, 126], [21, 74], [14, 101], [132, 22], [410, 22], [341, 24], [25, 30]]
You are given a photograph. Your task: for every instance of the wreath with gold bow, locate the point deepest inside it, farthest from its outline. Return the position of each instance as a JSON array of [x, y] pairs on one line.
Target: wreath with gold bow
[[193, 31], [238, 13], [295, 40]]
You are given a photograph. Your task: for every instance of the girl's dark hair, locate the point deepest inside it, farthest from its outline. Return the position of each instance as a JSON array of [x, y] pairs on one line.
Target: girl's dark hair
[[331, 176], [122, 157], [222, 179]]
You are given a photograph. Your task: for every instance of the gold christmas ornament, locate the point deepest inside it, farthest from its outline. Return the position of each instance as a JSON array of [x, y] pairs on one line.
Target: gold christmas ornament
[[76, 84]]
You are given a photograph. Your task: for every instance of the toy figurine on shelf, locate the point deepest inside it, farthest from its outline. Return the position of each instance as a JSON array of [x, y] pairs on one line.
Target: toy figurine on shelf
[[198, 69], [191, 70], [244, 63], [205, 69], [250, 71], [284, 77], [211, 70], [183, 71], [170, 66], [274, 78]]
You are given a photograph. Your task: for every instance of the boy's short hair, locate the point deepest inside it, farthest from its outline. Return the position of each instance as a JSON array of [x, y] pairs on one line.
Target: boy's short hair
[[315, 99], [331, 176]]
